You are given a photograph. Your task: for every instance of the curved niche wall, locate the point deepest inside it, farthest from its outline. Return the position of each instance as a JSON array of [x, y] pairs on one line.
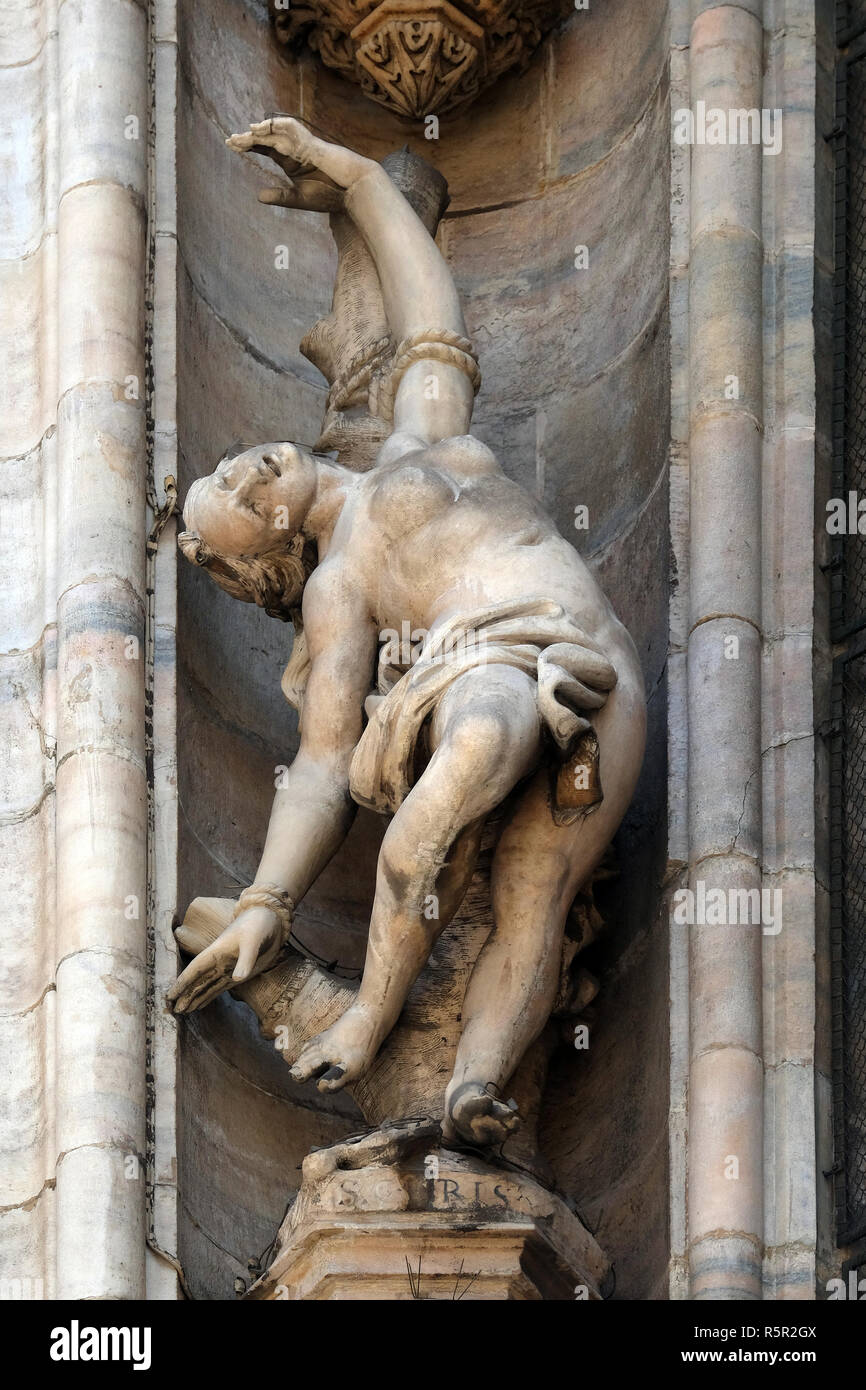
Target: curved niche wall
[[571, 154]]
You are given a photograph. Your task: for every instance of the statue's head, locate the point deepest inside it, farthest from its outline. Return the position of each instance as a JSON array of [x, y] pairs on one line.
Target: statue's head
[[244, 525]]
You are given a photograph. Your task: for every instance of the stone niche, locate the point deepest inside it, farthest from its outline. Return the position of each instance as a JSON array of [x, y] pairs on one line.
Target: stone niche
[[570, 153]]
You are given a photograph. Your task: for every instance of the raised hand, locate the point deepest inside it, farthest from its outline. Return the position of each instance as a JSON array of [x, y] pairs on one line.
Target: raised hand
[[320, 172]]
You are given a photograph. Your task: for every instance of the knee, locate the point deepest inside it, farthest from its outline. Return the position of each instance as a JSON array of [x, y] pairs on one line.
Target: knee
[[408, 862], [494, 734], [475, 733]]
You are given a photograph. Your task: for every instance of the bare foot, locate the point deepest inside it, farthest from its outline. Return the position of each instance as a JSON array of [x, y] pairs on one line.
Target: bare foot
[[343, 1052], [477, 1116], [390, 1144]]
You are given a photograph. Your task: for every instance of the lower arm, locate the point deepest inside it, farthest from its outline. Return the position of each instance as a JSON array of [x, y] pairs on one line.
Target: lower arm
[[311, 817]]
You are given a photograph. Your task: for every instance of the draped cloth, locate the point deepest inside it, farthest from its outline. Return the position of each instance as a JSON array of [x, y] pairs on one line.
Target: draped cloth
[[536, 636]]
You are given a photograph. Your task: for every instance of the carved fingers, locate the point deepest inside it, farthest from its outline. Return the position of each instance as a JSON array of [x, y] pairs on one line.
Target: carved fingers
[[311, 194], [204, 978], [301, 154], [280, 135], [248, 946], [291, 146]]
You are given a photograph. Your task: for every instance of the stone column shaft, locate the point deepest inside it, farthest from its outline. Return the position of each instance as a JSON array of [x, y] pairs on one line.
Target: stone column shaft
[[724, 661], [163, 1266], [73, 276], [101, 777]]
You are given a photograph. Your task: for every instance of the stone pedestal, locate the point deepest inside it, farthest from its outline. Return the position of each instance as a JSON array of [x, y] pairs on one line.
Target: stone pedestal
[[429, 1224]]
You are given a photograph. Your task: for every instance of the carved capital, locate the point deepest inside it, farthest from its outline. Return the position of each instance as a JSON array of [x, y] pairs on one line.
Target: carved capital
[[419, 57]]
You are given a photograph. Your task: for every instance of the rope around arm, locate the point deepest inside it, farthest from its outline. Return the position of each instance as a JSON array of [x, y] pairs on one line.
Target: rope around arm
[[436, 345], [274, 899]]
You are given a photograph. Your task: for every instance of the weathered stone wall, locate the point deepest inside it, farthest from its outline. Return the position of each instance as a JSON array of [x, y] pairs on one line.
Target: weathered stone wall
[[575, 402]]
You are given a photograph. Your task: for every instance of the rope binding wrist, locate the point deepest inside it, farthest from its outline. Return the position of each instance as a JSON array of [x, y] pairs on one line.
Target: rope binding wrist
[[274, 899], [438, 345]]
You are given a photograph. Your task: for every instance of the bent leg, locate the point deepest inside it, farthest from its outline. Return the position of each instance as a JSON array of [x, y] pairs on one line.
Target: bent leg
[[486, 735], [537, 870]]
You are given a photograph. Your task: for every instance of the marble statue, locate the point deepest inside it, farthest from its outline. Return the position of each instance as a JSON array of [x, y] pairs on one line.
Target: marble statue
[[518, 688]]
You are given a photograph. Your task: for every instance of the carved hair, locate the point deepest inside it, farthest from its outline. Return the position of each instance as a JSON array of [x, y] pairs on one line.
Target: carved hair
[[275, 580]]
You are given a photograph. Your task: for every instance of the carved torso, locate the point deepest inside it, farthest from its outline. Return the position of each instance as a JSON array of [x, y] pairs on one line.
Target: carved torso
[[413, 533]]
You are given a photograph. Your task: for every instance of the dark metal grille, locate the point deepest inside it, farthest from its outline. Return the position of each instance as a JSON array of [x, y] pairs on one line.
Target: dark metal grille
[[849, 943], [855, 332], [850, 607], [848, 618]]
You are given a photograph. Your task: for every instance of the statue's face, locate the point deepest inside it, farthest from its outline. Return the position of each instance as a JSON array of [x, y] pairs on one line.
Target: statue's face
[[254, 501]]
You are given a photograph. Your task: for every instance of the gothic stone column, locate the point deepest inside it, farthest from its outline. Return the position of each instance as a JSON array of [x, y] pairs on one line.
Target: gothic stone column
[[75, 104]]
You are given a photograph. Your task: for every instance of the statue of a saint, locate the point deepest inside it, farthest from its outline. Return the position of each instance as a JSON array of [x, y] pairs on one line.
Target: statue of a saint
[[519, 684]]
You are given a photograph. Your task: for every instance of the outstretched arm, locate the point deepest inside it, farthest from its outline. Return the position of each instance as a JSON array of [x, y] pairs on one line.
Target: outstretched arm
[[417, 287], [311, 814]]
